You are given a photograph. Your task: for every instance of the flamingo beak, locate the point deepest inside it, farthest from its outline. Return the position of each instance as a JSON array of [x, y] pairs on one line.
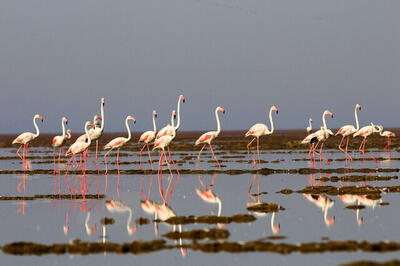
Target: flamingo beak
[[183, 98], [223, 111], [277, 111], [41, 118], [66, 122]]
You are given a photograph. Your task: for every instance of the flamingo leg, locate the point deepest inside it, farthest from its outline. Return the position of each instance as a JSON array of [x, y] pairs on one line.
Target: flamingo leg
[[148, 152], [141, 187], [198, 157], [55, 177], [340, 148], [159, 176], [258, 153], [248, 149], [105, 160], [140, 160], [219, 166], [201, 183], [372, 157], [118, 169], [309, 155], [59, 171], [170, 172], [19, 155], [27, 155], [172, 160], [96, 165], [251, 185], [65, 176], [347, 145], [76, 177], [151, 182], [320, 156]]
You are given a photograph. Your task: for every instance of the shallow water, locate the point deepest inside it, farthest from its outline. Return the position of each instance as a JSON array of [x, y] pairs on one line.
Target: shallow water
[[306, 218]]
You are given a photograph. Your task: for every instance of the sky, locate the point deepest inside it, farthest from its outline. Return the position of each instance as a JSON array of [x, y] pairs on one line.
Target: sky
[[58, 58]]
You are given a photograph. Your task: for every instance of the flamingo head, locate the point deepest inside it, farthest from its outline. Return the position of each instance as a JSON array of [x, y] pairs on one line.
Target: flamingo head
[[310, 120], [39, 116], [276, 229], [131, 118], [91, 230], [66, 229], [91, 124], [154, 113], [102, 101], [358, 106], [221, 109], [360, 221], [174, 114], [378, 129], [64, 119], [328, 113], [330, 221], [182, 98], [274, 108], [132, 230]]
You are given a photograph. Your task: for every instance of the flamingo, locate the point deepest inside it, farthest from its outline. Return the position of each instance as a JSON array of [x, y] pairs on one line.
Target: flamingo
[[82, 138], [25, 138], [119, 207], [78, 148], [348, 130], [259, 130], [161, 143], [321, 135], [168, 129], [387, 134], [89, 230], [58, 141], [309, 128], [365, 132], [147, 137], [207, 137], [117, 143], [98, 131]]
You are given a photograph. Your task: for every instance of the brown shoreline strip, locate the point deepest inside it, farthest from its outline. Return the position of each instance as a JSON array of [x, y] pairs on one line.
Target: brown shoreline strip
[[53, 196], [141, 247], [210, 219], [263, 171]]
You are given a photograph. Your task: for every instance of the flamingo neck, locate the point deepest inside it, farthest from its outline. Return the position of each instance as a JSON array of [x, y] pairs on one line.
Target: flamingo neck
[[154, 124], [128, 222], [218, 123], [129, 130], [69, 134], [323, 120], [36, 127], [102, 116], [178, 124], [271, 121], [63, 128], [356, 116], [87, 133], [219, 207]]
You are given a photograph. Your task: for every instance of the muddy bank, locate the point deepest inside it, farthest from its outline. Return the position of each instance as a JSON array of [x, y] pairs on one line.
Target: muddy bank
[[141, 247], [372, 263], [210, 219], [263, 171], [53, 196], [198, 234], [265, 208], [357, 178]]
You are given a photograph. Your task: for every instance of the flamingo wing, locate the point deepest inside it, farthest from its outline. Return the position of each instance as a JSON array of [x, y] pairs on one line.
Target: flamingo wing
[[23, 138], [206, 137], [115, 143]]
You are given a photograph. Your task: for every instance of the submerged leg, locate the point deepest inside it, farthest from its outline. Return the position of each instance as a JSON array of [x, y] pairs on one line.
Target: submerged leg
[[248, 149], [198, 157], [140, 156], [219, 166]]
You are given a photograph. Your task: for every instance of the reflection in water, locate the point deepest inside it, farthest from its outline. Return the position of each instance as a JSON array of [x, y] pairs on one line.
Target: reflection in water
[[324, 203], [89, 230], [116, 206], [256, 201], [209, 196]]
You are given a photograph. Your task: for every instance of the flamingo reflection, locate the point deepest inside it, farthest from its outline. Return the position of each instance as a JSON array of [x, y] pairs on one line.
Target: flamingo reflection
[[256, 201], [116, 206], [324, 203], [207, 195]]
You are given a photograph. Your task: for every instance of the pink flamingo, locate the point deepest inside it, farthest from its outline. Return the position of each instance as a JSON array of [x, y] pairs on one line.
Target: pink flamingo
[[59, 141], [321, 135], [388, 134], [161, 143], [147, 137], [259, 130], [348, 130], [365, 132], [98, 131], [168, 129], [117, 143], [25, 138], [207, 137], [309, 128], [78, 148]]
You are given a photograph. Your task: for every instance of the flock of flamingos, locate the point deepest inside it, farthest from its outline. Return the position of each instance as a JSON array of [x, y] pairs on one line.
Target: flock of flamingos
[[164, 137]]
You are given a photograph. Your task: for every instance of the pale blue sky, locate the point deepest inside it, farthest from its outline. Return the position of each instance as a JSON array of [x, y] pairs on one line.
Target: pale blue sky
[[60, 57]]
